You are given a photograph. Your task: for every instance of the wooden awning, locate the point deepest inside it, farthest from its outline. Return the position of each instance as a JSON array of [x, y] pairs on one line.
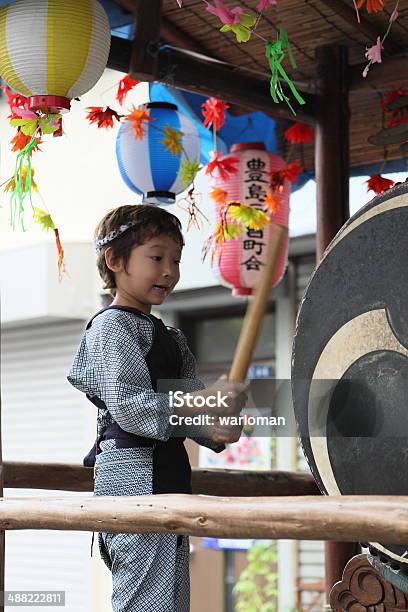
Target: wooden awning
[[310, 24]]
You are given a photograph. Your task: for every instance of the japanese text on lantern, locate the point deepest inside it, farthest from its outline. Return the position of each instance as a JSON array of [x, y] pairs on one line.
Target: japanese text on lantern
[[255, 193]]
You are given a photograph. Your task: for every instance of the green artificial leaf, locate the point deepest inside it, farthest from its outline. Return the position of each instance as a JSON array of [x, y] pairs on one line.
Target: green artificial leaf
[[44, 219], [28, 126], [249, 216], [188, 171], [242, 30], [231, 231], [48, 124]]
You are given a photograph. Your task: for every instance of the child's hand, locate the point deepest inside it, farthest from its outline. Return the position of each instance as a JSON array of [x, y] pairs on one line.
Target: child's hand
[[223, 398], [233, 394], [225, 433]]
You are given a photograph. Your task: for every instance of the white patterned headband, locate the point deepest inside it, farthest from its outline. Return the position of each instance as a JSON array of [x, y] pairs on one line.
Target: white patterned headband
[[100, 242]]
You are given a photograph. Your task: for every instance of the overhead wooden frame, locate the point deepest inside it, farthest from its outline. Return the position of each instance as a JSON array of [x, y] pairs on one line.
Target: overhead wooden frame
[[149, 61], [348, 14], [168, 31], [194, 72], [386, 73], [389, 71], [146, 41]]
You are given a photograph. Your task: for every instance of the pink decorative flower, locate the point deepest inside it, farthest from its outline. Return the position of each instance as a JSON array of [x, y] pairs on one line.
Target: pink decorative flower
[[224, 14], [374, 53], [263, 4], [23, 113]]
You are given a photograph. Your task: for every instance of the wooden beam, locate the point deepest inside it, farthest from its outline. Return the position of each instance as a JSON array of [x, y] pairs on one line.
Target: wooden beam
[[199, 74], [146, 41], [348, 14], [177, 37], [245, 483], [390, 72], [248, 483], [194, 72], [172, 34], [340, 518]]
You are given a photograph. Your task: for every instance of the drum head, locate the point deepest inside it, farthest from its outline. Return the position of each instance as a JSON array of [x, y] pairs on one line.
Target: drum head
[[350, 359]]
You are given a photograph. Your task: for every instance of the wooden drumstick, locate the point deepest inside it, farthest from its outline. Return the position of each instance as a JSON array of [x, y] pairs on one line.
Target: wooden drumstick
[[256, 309]]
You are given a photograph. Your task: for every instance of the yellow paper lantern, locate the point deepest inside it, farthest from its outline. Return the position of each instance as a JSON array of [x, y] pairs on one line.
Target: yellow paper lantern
[[53, 50]]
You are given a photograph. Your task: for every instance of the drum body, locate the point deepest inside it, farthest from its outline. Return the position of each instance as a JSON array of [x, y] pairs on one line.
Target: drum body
[[350, 359]]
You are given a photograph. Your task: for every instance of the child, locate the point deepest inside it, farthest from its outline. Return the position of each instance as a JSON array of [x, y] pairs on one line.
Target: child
[[123, 354]]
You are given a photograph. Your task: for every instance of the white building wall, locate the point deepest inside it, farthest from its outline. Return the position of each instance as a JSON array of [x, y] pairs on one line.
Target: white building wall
[[45, 420]]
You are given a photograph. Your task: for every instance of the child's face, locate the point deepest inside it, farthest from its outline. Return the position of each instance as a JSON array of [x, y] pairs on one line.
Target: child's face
[[152, 273]]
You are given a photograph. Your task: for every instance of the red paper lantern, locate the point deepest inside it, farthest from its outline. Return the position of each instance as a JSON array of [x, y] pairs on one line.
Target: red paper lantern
[[240, 260]]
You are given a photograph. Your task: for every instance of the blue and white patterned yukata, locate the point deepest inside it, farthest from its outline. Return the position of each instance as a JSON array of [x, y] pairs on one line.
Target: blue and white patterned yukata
[[122, 355]]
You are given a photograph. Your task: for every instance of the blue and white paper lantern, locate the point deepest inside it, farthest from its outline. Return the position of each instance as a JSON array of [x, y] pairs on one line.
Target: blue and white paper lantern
[[146, 166]]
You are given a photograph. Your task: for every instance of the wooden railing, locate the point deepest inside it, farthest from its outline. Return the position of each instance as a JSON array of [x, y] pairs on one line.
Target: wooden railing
[[340, 518], [224, 503], [236, 504], [239, 483]]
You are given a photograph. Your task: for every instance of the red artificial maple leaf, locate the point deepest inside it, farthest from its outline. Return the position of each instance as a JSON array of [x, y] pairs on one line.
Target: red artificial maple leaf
[[378, 183], [125, 85], [104, 118], [225, 166], [218, 195], [277, 180], [214, 113], [299, 132], [20, 141], [271, 203], [373, 6], [14, 99], [290, 172], [139, 118]]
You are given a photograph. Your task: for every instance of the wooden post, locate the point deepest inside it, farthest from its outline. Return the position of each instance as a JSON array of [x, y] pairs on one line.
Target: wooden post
[[332, 186], [146, 41], [332, 144]]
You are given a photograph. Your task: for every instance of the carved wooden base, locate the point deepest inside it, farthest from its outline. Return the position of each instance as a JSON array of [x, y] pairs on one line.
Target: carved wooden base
[[363, 589]]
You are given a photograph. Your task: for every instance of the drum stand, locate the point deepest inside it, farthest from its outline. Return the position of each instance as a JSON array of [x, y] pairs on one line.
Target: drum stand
[[368, 584]]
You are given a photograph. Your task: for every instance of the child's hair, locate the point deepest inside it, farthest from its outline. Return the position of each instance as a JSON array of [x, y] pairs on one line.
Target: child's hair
[[149, 221]]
